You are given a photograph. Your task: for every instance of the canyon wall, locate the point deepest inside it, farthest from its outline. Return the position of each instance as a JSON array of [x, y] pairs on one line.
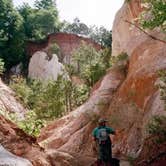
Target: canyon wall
[[66, 42], [130, 105], [127, 96]]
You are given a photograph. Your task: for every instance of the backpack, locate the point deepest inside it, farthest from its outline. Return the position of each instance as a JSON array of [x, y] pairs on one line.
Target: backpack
[[102, 135]]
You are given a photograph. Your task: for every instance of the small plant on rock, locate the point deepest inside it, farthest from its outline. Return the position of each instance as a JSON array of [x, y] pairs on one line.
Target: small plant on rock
[[157, 128]]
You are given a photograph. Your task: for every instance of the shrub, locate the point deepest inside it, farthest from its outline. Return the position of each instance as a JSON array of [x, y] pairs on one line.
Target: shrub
[[1, 66], [23, 91], [51, 100], [157, 128], [54, 49], [162, 85], [121, 57], [89, 64]]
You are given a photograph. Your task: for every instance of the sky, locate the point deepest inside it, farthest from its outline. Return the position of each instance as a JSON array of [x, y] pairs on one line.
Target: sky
[[90, 12]]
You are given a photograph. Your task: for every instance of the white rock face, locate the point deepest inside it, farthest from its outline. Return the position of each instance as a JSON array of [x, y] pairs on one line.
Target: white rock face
[[8, 102], [43, 68], [8, 159]]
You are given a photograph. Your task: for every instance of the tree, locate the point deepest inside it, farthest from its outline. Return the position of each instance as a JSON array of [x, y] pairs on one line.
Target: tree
[[99, 34], [45, 4], [77, 27], [27, 14], [88, 63], [102, 36], [40, 21], [11, 35]]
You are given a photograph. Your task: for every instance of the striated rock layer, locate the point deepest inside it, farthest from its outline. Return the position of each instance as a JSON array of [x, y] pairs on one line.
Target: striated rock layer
[[66, 42], [127, 102]]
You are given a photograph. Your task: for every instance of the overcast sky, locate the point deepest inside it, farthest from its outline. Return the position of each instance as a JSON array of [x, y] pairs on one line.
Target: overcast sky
[[90, 12]]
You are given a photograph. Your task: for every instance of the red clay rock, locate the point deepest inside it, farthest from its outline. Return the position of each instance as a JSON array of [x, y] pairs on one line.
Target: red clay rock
[[21, 144], [72, 133], [66, 42], [131, 103], [138, 98]]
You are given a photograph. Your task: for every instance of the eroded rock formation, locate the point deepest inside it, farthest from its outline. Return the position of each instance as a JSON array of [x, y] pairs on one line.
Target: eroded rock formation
[[128, 103], [66, 42], [127, 96], [43, 67], [20, 144], [8, 102], [7, 158], [72, 133]]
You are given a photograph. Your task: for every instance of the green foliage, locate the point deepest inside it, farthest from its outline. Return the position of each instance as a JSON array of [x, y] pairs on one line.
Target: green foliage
[[154, 14], [22, 24], [38, 23], [76, 27], [89, 64], [31, 124], [99, 34], [11, 36], [47, 101], [156, 127], [54, 49], [44, 4], [1, 66], [121, 57], [127, 1], [162, 85], [50, 103], [106, 57], [27, 14], [51, 100], [80, 94], [24, 92]]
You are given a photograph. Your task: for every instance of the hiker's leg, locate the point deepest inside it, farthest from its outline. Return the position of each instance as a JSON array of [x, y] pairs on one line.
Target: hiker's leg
[[108, 164]]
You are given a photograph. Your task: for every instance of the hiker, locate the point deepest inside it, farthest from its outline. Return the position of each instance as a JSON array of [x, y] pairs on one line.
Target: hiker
[[101, 135]]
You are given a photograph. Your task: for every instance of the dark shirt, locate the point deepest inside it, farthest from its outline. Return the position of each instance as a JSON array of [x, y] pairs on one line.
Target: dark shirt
[[108, 129]]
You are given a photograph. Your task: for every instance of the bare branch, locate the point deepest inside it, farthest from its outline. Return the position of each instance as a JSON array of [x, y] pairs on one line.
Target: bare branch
[[142, 30]]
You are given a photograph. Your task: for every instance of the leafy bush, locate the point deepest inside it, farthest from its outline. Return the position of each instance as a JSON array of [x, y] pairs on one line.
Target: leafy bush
[[1, 66], [121, 57], [154, 14], [23, 91], [51, 100], [80, 95], [162, 85], [54, 49], [127, 1], [157, 128], [89, 64], [30, 124]]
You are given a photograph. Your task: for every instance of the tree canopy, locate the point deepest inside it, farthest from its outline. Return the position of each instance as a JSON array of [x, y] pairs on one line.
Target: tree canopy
[[11, 34], [99, 34], [17, 25]]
